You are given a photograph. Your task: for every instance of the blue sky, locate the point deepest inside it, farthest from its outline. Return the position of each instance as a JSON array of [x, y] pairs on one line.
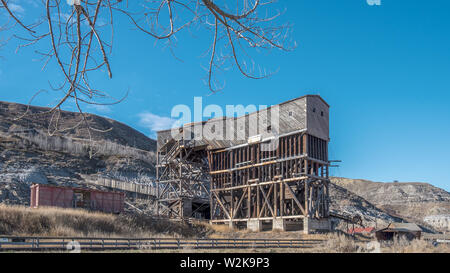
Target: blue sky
[[385, 71]]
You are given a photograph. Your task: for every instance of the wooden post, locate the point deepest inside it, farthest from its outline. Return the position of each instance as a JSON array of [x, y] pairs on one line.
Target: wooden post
[[249, 200], [258, 202], [306, 199], [281, 199], [275, 200]]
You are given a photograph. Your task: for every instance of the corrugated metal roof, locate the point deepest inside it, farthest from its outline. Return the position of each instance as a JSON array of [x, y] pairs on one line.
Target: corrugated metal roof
[[405, 227]]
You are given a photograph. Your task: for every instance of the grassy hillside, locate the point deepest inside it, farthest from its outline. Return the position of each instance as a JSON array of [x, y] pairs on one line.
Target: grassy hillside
[[18, 220], [409, 200], [70, 125]]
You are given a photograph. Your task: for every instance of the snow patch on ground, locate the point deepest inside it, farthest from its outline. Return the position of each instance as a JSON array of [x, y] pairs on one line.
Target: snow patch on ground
[[32, 175], [438, 221]]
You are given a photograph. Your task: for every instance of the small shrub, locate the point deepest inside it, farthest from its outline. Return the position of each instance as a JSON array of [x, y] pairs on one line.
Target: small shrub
[[341, 243], [402, 245]]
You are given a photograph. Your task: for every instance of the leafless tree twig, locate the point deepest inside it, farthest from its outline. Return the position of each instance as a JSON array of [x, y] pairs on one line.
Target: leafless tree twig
[[80, 38]]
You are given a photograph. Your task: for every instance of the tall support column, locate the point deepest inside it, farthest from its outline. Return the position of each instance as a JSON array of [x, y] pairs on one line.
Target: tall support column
[[306, 198], [275, 200], [281, 185], [157, 182], [306, 227]]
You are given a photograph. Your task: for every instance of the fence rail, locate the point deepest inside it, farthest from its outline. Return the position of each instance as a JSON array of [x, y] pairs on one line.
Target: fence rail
[[145, 189], [30, 243]]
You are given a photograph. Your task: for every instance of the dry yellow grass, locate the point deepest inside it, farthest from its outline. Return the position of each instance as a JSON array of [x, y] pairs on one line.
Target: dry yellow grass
[[340, 243], [415, 246], [51, 221], [220, 228]]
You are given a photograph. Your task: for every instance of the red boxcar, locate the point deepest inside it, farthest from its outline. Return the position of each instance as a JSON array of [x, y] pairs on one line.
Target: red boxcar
[[67, 197]]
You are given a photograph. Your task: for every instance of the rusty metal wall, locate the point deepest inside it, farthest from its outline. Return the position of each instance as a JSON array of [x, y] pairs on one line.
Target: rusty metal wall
[[110, 202], [43, 195]]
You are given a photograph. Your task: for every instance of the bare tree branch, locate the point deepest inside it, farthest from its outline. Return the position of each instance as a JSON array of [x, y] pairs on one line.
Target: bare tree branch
[[80, 34]]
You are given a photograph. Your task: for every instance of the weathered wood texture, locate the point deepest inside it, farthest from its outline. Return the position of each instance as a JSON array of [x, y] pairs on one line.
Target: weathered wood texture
[[308, 112], [265, 170], [289, 182]]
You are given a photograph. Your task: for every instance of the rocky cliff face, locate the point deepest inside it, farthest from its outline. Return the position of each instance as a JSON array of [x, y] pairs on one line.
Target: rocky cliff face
[[71, 125], [441, 222], [346, 202], [417, 202], [29, 154]]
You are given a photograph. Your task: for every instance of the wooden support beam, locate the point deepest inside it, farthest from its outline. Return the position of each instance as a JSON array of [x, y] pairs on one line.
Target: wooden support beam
[[294, 197], [310, 199], [262, 218], [258, 203], [306, 212], [266, 200], [221, 205], [249, 203], [275, 198], [263, 183], [238, 204]]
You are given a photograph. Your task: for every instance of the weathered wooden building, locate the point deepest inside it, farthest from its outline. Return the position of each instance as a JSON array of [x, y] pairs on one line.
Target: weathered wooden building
[[265, 169], [409, 231]]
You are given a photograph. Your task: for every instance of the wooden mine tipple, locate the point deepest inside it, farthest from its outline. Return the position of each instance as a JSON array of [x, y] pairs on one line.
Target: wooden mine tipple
[[265, 169]]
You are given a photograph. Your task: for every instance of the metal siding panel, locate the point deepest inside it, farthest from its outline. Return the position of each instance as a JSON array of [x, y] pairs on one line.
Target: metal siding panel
[[69, 198], [45, 196]]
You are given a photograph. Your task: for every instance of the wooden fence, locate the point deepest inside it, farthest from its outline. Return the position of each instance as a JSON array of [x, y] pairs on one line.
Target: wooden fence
[[32, 243], [145, 189]]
